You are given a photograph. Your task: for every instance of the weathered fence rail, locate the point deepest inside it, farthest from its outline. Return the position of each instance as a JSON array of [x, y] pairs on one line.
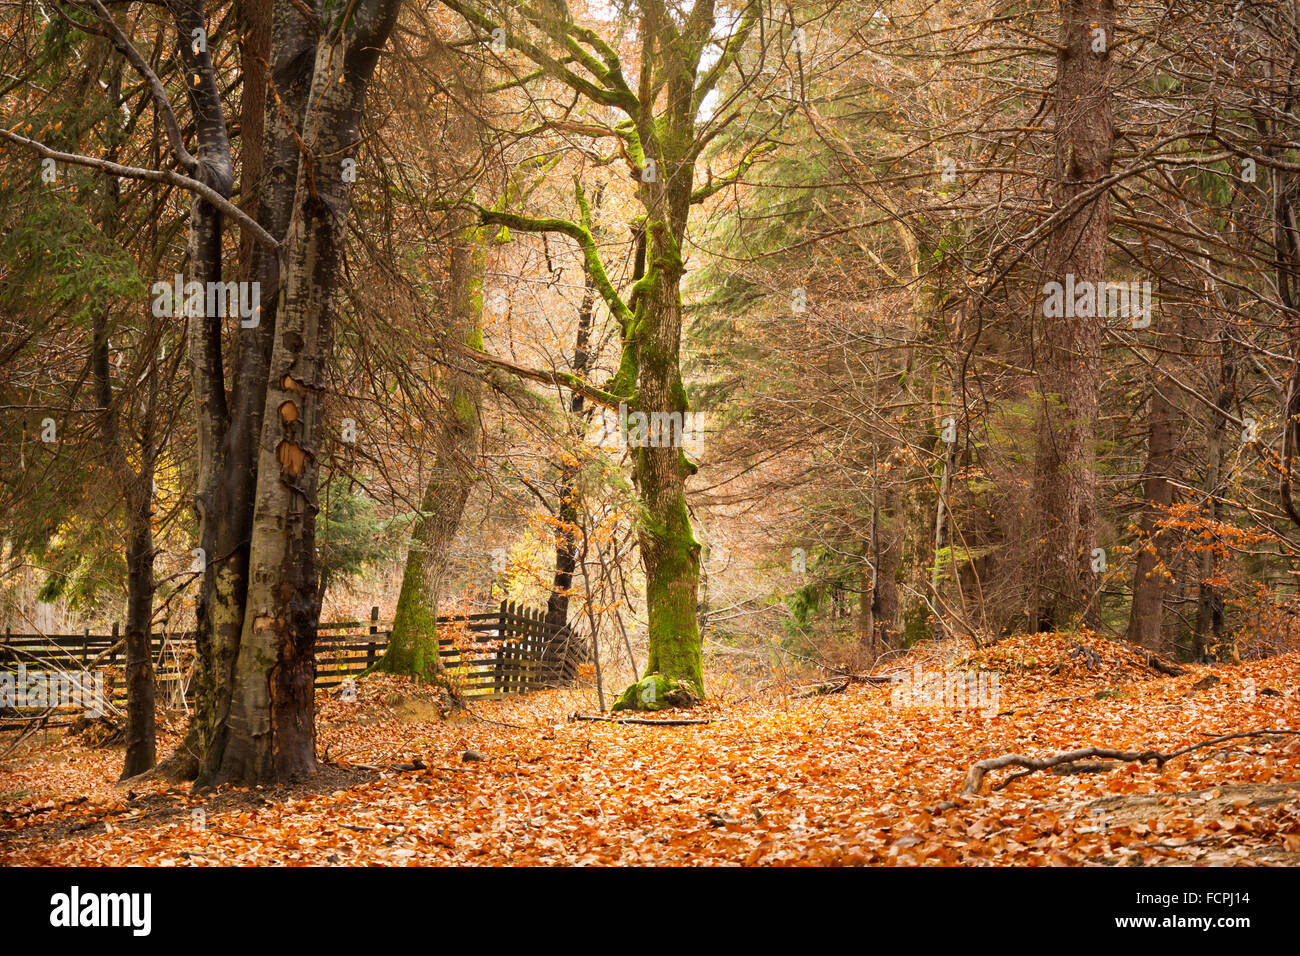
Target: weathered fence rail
[[508, 651]]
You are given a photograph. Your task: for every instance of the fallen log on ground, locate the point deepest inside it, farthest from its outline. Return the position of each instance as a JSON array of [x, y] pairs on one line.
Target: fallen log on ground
[[975, 776], [643, 722], [819, 690], [1158, 663]]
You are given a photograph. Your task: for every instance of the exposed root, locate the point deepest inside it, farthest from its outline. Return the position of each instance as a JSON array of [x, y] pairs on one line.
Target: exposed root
[[975, 776], [655, 692]]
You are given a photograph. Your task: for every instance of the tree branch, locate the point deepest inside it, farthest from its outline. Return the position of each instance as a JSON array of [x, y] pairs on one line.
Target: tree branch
[[975, 776], [547, 377], [162, 103], [169, 176], [580, 234]]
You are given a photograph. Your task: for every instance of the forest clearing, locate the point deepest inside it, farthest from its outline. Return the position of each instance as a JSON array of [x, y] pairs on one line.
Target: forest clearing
[[829, 779], [649, 433]]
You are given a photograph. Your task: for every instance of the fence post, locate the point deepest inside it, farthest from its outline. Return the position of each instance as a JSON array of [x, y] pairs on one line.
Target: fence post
[[374, 629], [507, 631], [533, 649], [518, 653], [500, 678]]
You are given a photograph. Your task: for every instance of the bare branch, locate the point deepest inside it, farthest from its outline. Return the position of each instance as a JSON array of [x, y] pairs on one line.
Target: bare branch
[[169, 176]]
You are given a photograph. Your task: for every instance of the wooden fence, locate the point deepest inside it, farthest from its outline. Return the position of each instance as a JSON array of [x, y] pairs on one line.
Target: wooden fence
[[509, 651]]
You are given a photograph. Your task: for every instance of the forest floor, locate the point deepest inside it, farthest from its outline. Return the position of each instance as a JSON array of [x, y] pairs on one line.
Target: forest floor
[[839, 778]]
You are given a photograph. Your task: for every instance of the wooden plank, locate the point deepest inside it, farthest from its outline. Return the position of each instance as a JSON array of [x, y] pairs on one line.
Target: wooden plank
[[496, 653]]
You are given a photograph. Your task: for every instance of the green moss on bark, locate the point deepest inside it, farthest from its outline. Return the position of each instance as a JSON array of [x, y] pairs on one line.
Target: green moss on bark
[[413, 646], [656, 692]]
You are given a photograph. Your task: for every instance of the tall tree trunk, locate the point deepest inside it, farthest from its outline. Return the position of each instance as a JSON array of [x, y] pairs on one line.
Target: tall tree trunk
[[1209, 601], [867, 600], [557, 604], [271, 725], [653, 347], [1146, 618], [668, 545], [203, 332], [140, 738], [413, 646], [268, 178], [1065, 481], [1151, 574], [884, 595], [136, 490], [942, 545]]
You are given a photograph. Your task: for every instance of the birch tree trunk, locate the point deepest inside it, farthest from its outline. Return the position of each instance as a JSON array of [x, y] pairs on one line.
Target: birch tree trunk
[[271, 733], [228, 480], [269, 182]]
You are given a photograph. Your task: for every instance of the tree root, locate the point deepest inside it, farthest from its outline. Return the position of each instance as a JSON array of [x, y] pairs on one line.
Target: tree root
[[975, 776]]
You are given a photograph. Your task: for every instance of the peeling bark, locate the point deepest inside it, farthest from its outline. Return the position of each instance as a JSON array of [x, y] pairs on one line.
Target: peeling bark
[[271, 733]]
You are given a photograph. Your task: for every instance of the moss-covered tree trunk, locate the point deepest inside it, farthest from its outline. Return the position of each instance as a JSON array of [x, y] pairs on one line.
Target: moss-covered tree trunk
[[661, 146], [413, 646], [668, 545]]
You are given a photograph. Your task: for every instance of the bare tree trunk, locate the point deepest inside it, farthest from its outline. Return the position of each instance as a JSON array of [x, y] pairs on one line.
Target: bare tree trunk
[[942, 543], [1146, 618], [141, 753], [557, 604], [271, 725], [884, 595], [866, 603], [1209, 601], [1151, 575], [268, 179], [1065, 481], [136, 492], [135, 489]]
